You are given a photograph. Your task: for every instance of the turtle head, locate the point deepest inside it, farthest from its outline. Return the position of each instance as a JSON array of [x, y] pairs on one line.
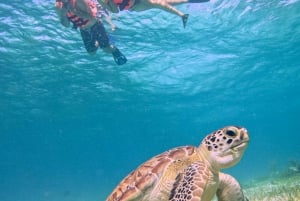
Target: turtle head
[[225, 147]]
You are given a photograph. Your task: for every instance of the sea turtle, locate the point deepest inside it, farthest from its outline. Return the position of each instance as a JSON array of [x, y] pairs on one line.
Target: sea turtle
[[189, 173]]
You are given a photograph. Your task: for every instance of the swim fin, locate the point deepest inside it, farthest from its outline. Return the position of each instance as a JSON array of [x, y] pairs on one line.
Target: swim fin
[[197, 1], [119, 58], [185, 18]]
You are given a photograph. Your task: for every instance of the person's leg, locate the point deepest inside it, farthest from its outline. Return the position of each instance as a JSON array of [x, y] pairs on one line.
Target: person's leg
[[197, 1], [103, 41], [166, 6], [88, 41], [160, 4]]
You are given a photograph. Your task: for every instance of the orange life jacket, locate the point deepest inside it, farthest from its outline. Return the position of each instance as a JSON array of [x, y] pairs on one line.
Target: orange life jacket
[[78, 21]]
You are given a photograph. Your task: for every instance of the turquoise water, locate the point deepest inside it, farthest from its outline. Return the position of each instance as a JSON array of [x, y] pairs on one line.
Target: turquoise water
[[73, 125]]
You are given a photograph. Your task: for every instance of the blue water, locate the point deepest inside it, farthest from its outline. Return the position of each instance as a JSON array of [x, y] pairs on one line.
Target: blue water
[[73, 125]]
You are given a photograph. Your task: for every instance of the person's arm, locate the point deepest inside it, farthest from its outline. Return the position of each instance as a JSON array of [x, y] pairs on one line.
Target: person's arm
[[109, 21], [62, 13], [86, 9]]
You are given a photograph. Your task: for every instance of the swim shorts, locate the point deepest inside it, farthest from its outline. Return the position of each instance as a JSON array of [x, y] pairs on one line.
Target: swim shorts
[[95, 33]]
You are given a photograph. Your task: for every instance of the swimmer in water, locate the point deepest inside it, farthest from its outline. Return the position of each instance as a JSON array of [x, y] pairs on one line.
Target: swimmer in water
[[140, 5], [83, 15]]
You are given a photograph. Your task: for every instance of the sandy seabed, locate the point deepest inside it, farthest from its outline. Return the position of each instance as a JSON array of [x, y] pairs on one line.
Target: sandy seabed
[[283, 188]]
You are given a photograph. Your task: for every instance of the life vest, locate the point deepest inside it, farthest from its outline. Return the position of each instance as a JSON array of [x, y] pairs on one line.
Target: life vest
[[76, 20]]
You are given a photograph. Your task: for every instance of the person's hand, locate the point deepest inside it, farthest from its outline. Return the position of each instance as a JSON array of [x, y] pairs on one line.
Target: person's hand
[[113, 27], [92, 9], [59, 4]]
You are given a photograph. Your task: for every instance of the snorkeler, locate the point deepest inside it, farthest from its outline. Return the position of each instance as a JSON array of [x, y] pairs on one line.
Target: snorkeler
[[140, 5], [83, 15]]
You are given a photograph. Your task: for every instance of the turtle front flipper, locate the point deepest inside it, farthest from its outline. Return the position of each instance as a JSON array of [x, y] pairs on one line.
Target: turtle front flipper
[[229, 189], [190, 184]]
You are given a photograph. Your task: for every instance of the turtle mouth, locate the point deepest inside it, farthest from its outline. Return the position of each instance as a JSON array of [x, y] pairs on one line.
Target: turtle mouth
[[240, 146]]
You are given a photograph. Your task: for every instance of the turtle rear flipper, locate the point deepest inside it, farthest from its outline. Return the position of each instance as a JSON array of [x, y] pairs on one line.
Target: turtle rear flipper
[[190, 184], [229, 189]]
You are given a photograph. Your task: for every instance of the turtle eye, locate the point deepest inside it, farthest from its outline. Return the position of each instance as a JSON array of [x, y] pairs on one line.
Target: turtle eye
[[230, 133]]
